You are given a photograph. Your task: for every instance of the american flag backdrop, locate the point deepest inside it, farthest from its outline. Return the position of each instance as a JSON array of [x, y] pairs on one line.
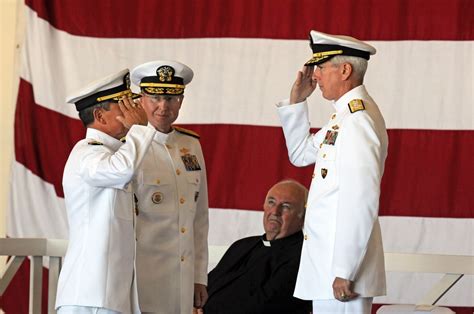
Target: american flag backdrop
[[245, 55]]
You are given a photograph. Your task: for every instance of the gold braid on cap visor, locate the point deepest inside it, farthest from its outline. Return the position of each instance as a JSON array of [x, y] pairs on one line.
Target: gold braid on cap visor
[[162, 88], [115, 96], [161, 85], [324, 55]]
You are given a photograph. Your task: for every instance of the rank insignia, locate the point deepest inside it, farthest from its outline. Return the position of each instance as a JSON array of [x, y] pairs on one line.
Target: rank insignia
[[356, 105], [184, 151], [157, 197], [191, 162], [324, 172], [335, 127], [93, 142], [330, 138], [185, 131]]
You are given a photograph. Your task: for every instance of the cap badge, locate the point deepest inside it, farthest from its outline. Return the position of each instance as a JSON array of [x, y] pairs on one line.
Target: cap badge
[[165, 73]]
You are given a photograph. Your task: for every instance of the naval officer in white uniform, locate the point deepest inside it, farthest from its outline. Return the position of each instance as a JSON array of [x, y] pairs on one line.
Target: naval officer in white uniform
[[98, 269], [342, 264], [171, 189]]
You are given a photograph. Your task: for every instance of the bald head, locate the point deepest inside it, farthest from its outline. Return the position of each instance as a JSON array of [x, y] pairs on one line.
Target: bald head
[[284, 209]]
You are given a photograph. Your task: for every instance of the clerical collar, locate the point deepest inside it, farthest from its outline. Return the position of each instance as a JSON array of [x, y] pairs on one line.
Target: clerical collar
[[282, 241]]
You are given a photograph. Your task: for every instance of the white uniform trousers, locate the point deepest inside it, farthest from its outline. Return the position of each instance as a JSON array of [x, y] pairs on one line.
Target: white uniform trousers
[[74, 309], [356, 306]]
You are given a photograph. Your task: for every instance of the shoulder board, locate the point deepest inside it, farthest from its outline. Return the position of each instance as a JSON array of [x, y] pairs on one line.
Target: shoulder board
[[356, 105], [95, 143], [187, 132]]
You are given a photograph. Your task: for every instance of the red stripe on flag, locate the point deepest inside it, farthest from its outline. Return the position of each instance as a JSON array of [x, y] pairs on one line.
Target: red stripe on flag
[[427, 173], [15, 299], [278, 19], [43, 138]]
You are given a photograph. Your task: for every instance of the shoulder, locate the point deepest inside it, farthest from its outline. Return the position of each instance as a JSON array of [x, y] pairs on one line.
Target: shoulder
[[247, 240], [94, 143], [90, 146], [243, 243], [186, 132]]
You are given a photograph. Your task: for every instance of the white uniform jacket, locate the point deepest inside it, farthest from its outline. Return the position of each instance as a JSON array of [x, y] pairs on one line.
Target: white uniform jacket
[[172, 223], [99, 263], [342, 231]]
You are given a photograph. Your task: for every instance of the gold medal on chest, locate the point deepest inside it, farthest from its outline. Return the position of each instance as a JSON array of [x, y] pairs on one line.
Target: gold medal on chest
[[157, 197]]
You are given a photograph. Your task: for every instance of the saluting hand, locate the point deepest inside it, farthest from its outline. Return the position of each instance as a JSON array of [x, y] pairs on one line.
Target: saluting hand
[[132, 111], [303, 86]]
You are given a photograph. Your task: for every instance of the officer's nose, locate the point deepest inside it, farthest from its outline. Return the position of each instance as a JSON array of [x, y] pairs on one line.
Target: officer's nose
[[163, 104], [316, 74]]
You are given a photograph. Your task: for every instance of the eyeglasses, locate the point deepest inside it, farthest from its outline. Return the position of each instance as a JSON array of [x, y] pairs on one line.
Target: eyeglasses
[[164, 98]]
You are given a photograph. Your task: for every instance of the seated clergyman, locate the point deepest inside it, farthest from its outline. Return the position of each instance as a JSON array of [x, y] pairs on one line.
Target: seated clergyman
[[258, 274]]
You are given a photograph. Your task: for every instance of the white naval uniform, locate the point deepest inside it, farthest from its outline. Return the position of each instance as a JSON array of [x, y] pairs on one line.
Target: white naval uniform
[[342, 231], [99, 263], [172, 250]]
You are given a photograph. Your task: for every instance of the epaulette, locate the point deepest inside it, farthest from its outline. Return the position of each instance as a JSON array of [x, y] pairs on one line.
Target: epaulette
[[94, 142], [187, 132], [356, 105]]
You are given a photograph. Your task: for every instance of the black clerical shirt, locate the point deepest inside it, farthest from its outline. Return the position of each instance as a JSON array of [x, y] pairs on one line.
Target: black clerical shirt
[[256, 276]]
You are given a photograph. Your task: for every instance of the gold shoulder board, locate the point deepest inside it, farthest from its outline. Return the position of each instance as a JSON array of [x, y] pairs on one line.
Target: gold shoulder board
[[356, 105], [186, 131]]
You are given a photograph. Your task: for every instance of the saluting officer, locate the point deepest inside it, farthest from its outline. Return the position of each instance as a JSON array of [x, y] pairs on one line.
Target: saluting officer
[[171, 189], [99, 265], [342, 262]]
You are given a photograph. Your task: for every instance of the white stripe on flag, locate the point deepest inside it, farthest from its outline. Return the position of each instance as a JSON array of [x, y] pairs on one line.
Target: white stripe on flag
[[238, 81], [38, 212]]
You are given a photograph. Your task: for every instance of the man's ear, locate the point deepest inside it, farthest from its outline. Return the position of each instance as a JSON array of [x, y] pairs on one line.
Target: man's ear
[[99, 116], [346, 71]]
